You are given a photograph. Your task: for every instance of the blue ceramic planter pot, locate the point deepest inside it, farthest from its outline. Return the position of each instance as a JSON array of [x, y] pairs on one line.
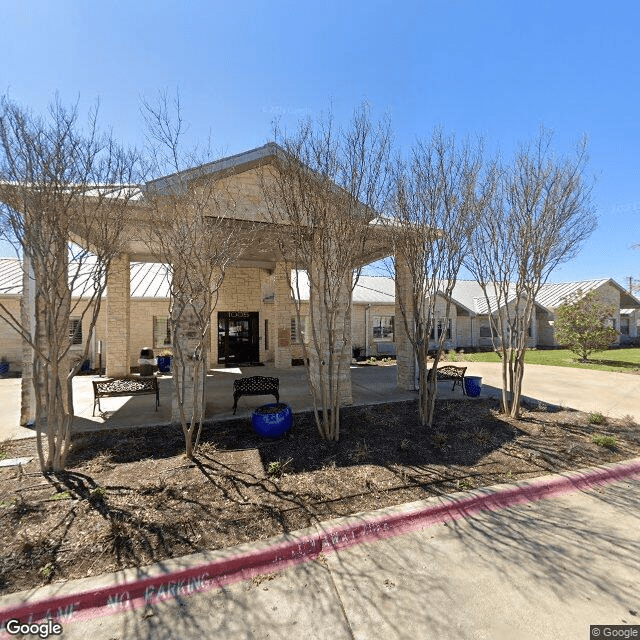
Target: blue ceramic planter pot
[[164, 364], [473, 386], [272, 420]]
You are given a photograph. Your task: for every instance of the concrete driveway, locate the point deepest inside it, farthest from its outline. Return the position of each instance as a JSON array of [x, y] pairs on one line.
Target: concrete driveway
[[612, 394]]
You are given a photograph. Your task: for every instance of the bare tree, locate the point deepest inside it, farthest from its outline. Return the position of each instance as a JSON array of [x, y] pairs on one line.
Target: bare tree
[[60, 182], [191, 231], [322, 197], [434, 211], [538, 217]]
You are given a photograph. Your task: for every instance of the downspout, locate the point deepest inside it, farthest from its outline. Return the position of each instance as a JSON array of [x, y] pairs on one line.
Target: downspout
[[366, 330]]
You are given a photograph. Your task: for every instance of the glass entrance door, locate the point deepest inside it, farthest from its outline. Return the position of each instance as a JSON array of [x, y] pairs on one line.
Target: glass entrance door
[[238, 339]]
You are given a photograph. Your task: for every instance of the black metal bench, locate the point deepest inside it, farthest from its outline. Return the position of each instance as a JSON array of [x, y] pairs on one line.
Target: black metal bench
[[255, 386], [449, 372], [124, 386]]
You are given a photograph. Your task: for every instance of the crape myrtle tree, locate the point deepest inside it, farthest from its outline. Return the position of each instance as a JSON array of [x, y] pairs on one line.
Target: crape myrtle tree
[[434, 209], [189, 230], [539, 216], [584, 325], [322, 194], [60, 181]]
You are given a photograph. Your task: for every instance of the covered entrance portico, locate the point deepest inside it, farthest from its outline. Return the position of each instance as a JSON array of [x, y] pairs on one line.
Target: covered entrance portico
[[253, 310]]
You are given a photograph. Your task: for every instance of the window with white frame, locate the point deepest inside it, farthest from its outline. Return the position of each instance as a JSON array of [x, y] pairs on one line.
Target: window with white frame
[[300, 330], [383, 328], [161, 332], [75, 330]]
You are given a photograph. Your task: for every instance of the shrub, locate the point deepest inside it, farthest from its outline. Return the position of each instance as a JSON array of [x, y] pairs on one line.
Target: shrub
[[604, 441], [596, 418], [583, 325], [277, 468]]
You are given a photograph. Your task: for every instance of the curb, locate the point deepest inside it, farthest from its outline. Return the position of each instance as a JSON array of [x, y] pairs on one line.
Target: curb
[[286, 551]]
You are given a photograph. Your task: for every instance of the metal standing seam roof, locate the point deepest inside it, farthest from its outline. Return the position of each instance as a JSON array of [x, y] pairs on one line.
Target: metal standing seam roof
[[150, 280], [10, 277], [552, 295], [368, 290]]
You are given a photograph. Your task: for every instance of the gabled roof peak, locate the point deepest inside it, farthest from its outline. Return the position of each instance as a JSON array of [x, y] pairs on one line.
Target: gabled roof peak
[[235, 163]]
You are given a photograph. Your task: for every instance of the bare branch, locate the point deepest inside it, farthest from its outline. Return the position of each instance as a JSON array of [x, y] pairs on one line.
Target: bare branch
[[60, 181], [323, 193], [538, 216]]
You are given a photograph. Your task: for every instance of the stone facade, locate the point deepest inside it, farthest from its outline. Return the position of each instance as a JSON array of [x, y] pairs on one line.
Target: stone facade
[[466, 331], [118, 321], [265, 292], [406, 372], [279, 348]]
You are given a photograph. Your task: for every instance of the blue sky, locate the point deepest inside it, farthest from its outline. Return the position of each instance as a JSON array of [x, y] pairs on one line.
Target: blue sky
[[494, 68]]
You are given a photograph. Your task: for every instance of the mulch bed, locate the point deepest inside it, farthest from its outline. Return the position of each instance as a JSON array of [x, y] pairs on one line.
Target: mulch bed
[[131, 498]]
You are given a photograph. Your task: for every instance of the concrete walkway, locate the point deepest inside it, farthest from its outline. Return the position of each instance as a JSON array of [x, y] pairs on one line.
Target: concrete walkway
[[370, 385], [613, 394], [544, 570]]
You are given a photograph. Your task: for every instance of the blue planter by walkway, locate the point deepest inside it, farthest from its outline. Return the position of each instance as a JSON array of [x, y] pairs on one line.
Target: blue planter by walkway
[[272, 420], [473, 386], [4, 368], [164, 364]]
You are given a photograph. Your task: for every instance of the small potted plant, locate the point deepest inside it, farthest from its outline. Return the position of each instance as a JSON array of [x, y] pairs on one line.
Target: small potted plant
[[4, 366], [164, 360]]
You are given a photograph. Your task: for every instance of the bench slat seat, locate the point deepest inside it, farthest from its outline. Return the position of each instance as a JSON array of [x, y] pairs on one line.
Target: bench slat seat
[[124, 386], [449, 372], [255, 386]]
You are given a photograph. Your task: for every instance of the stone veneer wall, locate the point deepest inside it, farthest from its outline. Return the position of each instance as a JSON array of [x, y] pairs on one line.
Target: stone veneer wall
[[406, 371], [245, 289], [143, 310], [466, 332], [118, 317]]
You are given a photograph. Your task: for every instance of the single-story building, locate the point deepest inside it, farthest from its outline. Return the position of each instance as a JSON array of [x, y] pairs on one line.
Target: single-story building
[[244, 316], [253, 317]]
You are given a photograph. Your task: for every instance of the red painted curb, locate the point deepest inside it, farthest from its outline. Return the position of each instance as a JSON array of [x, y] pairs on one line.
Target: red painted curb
[[107, 600]]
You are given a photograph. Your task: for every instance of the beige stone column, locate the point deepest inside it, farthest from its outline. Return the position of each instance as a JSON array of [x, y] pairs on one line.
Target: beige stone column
[[319, 359], [28, 321], [406, 370], [118, 317], [41, 321], [189, 372], [282, 316]]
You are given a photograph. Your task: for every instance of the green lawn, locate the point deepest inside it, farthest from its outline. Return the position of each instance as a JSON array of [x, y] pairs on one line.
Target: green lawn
[[623, 360]]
